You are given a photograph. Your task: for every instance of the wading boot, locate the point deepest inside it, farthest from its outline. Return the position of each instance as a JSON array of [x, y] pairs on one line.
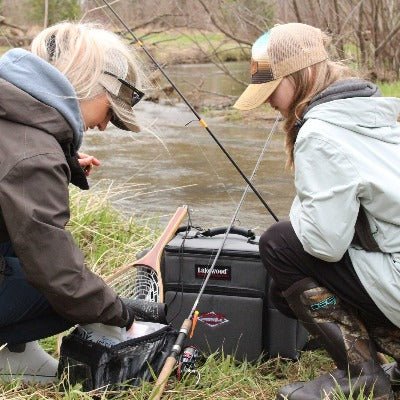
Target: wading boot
[[392, 370], [387, 341], [347, 342], [27, 362]]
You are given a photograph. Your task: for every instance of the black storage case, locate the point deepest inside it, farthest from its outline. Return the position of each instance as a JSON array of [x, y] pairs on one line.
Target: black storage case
[[236, 314], [95, 366]]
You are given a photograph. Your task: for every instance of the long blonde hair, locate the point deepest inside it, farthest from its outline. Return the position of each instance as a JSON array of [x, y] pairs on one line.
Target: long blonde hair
[[308, 82], [82, 52]]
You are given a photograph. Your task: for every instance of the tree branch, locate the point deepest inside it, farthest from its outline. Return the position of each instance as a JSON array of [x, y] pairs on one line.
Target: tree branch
[[388, 38], [220, 28]]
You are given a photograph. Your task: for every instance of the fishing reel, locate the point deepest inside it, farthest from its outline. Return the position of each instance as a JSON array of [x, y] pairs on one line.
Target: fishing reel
[[187, 363]]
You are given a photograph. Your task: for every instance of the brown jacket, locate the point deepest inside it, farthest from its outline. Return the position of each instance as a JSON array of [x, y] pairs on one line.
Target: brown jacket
[[34, 209]]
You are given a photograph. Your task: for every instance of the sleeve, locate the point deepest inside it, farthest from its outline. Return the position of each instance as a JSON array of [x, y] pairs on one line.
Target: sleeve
[[325, 209], [35, 206]]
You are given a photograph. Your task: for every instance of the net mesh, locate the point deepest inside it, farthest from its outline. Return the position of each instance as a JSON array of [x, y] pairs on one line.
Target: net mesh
[[136, 282]]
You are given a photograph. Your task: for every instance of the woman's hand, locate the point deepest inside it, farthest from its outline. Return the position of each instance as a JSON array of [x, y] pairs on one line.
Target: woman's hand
[[86, 162]]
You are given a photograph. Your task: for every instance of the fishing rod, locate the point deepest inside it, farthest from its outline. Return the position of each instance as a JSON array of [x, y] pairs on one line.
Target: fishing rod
[[201, 120], [189, 324]]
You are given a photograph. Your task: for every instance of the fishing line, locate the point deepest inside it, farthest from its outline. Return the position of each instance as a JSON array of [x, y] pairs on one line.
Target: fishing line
[[221, 181], [201, 121], [216, 255], [213, 254], [215, 171], [197, 142], [234, 217], [189, 324]]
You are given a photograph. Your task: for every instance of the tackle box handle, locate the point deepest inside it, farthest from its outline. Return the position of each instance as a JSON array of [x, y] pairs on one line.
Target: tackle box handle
[[234, 230], [248, 233]]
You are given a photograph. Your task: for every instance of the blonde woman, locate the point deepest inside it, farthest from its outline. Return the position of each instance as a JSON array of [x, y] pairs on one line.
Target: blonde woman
[[336, 263], [76, 77]]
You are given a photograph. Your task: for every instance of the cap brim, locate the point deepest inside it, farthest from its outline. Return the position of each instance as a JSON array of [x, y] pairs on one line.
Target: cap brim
[[119, 123], [256, 94], [124, 125]]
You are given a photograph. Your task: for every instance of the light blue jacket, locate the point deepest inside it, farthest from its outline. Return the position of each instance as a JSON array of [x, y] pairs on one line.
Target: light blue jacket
[[347, 153]]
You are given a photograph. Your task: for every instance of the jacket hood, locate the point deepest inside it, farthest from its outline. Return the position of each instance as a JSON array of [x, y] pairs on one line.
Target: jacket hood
[[373, 116], [37, 80]]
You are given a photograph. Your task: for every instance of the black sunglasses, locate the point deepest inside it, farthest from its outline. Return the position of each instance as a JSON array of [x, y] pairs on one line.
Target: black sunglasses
[[137, 94]]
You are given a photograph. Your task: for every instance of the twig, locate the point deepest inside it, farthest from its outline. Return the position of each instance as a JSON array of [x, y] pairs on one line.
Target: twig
[[220, 28]]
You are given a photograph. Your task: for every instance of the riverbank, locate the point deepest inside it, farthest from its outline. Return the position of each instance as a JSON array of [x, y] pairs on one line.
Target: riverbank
[[258, 118], [185, 46], [109, 239], [174, 48]]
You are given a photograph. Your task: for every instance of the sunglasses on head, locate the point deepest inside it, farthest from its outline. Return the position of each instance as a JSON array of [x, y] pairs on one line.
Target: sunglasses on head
[[137, 94]]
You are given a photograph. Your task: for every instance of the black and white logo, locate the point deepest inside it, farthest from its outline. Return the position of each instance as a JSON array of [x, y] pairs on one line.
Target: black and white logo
[[220, 272]]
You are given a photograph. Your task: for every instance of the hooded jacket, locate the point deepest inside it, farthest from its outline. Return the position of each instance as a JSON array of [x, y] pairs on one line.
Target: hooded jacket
[[347, 158], [40, 125]]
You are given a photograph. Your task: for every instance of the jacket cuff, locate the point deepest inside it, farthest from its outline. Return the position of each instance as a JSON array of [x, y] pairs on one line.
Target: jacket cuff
[[126, 317]]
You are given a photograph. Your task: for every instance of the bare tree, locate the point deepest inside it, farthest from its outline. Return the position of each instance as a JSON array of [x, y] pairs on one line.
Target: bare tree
[[365, 31]]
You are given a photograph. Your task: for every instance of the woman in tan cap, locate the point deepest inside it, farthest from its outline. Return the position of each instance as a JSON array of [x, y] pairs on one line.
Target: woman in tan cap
[[336, 263], [76, 77]]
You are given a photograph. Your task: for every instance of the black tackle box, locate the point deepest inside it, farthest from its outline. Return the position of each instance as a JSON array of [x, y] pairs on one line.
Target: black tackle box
[[236, 314]]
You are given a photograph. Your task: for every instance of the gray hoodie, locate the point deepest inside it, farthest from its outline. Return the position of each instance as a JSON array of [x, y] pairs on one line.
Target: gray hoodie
[[45, 83]]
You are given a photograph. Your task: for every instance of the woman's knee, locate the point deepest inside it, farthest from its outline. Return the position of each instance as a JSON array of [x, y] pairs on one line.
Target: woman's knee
[[280, 254], [19, 300], [274, 238]]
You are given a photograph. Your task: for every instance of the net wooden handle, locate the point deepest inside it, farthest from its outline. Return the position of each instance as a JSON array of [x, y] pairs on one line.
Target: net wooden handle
[[153, 257], [162, 380], [170, 362]]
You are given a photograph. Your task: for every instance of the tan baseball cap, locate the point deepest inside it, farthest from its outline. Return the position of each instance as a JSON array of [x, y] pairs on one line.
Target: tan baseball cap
[[282, 50], [126, 98], [119, 80]]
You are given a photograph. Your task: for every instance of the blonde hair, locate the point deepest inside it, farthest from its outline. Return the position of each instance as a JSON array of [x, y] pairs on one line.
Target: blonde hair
[[308, 82], [82, 52]]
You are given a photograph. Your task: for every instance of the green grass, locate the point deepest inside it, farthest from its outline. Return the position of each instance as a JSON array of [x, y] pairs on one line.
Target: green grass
[[391, 89], [108, 240], [194, 46], [4, 49], [181, 39]]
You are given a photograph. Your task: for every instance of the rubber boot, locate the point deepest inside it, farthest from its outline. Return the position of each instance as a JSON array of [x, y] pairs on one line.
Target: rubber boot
[[346, 340], [392, 370], [27, 362], [387, 340]]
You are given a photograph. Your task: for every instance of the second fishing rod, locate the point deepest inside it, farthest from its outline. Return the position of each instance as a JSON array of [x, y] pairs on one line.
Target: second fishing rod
[[201, 120], [189, 324]]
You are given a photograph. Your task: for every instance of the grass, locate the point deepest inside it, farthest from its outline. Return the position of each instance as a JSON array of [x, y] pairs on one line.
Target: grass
[[391, 89], [108, 240], [4, 49], [180, 39], [194, 47]]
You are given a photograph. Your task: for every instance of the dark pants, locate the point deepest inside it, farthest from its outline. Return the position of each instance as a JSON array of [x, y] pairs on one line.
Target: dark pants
[[286, 261], [25, 314]]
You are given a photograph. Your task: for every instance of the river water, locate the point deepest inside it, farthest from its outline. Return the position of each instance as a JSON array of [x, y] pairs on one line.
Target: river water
[[170, 164]]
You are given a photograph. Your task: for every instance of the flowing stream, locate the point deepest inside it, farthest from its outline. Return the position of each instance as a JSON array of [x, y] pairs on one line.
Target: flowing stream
[[151, 174]]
